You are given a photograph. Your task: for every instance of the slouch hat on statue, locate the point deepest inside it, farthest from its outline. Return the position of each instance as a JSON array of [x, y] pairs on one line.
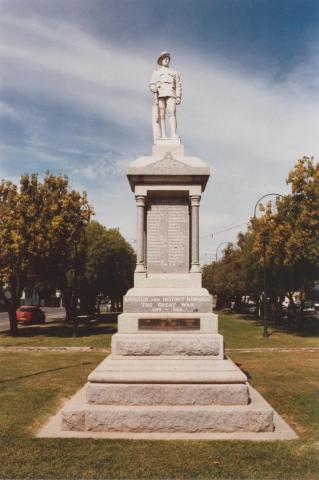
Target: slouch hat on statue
[[162, 55]]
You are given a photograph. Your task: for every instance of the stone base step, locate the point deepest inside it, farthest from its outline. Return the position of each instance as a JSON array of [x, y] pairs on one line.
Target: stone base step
[[166, 394], [282, 431], [78, 415], [166, 370], [158, 344]]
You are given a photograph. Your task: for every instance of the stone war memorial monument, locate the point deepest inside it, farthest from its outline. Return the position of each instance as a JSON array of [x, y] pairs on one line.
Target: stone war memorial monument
[[167, 376]]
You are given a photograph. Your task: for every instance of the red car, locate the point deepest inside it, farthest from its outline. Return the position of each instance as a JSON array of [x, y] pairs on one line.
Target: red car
[[30, 314]]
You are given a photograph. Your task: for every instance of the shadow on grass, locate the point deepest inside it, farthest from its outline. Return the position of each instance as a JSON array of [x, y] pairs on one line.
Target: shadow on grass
[[106, 324], [41, 372], [305, 329], [243, 370]]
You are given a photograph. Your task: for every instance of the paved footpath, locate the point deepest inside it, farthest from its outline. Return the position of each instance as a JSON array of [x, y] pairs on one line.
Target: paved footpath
[[108, 350]]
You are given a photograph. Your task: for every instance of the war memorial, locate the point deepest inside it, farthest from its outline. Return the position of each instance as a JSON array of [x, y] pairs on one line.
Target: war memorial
[[167, 376]]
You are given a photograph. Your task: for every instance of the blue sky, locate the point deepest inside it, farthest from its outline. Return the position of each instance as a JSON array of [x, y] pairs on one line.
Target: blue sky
[[74, 96]]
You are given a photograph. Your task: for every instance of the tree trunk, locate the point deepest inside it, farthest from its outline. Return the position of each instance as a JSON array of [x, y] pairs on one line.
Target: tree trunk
[[12, 311], [238, 304], [73, 314], [70, 309], [292, 314], [13, 320], [67, 306], [11, 306]]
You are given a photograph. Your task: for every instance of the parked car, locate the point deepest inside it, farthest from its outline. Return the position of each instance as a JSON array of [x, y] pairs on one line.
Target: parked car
[[250, 307], [308, 310], [28, 314]]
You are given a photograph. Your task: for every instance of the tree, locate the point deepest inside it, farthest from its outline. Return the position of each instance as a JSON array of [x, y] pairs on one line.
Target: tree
[[235, 275], [222, 277], [292, 232], [109, 263], [40, 224]]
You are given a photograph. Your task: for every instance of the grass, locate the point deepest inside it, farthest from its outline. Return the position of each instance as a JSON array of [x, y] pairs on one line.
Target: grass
[[34, 385], [246, 332], [239, 332], [60, 334]]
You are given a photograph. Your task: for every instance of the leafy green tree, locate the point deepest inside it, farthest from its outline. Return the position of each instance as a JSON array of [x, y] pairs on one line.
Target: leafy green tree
[[291, 235], [40, 224], [109, 263], [220, 277], [235, 275], [292, 232]]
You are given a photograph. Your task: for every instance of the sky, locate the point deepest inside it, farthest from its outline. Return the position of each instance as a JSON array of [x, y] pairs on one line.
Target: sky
[[74, 97]]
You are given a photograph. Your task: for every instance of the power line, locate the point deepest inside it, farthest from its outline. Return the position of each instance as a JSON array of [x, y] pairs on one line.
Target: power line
[[226, 230]]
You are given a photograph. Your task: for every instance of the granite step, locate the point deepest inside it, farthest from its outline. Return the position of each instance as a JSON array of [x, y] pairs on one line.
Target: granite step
[[168, 344], [167, 370], [166, 394], [212, 418]]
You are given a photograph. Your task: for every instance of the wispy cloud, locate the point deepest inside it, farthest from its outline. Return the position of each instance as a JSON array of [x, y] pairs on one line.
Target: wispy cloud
[[84, 106], [7, 110]]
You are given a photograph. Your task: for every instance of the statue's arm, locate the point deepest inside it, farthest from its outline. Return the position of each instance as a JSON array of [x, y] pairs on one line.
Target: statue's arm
[[153, 84], [178, 87]]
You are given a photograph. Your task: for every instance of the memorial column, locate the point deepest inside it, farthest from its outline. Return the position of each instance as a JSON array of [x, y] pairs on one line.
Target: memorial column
[[140, 243], [195, 199]]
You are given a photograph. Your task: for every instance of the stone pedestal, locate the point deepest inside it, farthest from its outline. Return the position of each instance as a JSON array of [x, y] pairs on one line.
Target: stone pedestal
[[167, 371]]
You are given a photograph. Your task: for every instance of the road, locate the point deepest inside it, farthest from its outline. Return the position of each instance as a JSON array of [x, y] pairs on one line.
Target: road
[[51, 313]]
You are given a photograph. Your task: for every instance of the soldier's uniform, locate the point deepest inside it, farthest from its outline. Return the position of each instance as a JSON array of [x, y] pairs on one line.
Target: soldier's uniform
[[166, 86], [166, 83]]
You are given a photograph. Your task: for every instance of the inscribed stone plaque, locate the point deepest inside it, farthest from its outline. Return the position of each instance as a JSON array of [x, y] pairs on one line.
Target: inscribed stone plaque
[[161, 304], [170, 324], [168, 235]]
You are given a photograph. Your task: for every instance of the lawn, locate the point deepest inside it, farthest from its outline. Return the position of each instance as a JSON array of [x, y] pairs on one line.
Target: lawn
[[242, 331], [239, 332], [60, 334], [34, 385]]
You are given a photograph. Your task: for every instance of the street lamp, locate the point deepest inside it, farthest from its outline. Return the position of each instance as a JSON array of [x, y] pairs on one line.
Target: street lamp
[[222, 243], [265, 239], [267, 195]]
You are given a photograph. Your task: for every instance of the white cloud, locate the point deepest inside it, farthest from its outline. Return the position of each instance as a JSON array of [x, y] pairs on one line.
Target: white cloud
[[7, 110], [249, 128], [100, 168], [61, 63]]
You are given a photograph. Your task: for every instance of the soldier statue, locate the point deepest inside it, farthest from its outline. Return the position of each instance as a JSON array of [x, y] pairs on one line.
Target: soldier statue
[[167, 89]]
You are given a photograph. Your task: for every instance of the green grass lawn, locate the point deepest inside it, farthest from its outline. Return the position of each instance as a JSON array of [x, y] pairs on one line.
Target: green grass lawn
[[60, 334], [246, 332], [239, 332], [34, 385]]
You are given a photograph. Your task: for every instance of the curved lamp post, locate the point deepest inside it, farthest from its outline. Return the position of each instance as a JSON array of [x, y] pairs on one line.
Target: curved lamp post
[[222, 243], [267, 195], [265, 240]]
